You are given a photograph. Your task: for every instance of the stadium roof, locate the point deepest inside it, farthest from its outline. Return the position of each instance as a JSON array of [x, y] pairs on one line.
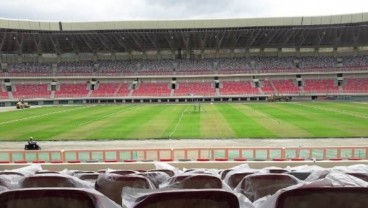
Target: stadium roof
[[20, 36]]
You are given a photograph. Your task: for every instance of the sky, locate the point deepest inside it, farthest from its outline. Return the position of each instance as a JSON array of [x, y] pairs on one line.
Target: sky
[[113, 10]]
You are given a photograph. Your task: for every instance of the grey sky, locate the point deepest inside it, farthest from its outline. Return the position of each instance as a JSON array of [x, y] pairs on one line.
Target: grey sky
[[108, 10]]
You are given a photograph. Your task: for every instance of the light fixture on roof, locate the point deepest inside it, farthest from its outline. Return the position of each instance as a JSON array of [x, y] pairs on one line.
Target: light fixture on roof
[[66, 38], [14, 37]]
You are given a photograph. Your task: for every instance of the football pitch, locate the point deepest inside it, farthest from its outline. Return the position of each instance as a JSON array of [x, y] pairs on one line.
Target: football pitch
[[181, 121]]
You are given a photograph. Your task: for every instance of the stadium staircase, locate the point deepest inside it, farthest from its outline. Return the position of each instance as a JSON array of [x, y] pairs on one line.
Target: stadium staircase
[[10, 95], [217, 92], [273, 87], [52, 96], [117, 89], [130, 93], [172, 91], [89, 93], [260, 90]]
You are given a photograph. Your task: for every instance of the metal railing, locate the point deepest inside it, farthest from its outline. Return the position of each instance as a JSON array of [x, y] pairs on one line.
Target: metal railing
[[179, 154]]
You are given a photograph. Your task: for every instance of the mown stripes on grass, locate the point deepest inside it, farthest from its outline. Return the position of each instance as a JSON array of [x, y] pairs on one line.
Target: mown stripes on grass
[[242, 124], [227, 120]]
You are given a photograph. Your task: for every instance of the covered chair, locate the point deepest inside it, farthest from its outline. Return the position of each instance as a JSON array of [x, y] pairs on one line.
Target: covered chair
[[111, 185], [192, 198], [259, 185], [322, 197], [54, 198], [233, 179], [51, 180], [194, 181]]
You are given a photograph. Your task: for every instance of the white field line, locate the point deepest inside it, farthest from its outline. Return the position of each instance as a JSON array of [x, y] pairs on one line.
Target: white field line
[[177, 124], [349, 113], [106, 116], [41, 115]]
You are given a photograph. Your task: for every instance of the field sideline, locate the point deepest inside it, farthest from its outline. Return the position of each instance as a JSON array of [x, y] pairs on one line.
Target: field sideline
[[239, 120]]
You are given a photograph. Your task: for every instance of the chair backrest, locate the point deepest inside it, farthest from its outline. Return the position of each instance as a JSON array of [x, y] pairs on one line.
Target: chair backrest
[[195, 182], [11, 173], [47, 181], [322, 197], [92, 177], [167, 171], [362, 176], [213, 198], [223, 173], [111, 185], [299, 175], [123, 172], [235, 178], [259, 185], [46, 198], [156, 178], [46, 172]]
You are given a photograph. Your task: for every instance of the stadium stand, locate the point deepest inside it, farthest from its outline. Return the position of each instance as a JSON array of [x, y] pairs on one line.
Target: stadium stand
[[123, 89], [31, 91], [3, 94], [267, 87], [320, 86], [72, 90], [285, 86], [357, 85], [238, 88], [152, 89], [105, 90], [194, 88]]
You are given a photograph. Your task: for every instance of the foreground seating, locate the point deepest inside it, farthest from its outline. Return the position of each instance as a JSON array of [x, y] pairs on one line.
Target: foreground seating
[[322, 197], [257, 186], [194, 181], [111, 185], [52, 197], [188, 198]]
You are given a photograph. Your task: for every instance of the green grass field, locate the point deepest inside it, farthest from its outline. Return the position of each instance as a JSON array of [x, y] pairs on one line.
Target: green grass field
[[241, 120]]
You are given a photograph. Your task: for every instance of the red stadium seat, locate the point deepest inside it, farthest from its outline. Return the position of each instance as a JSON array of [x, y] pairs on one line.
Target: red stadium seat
[[128, 161], [240, 159], [38, 161], [74, 161], [336, 159], [354, 158], [166, 160], [221, 159], [203, 159], [111, 161], [278, 159], [21, 161], [56, 161], [297, 159]]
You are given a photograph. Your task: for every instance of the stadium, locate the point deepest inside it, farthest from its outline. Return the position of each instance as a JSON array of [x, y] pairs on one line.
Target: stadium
[[193, 87]]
